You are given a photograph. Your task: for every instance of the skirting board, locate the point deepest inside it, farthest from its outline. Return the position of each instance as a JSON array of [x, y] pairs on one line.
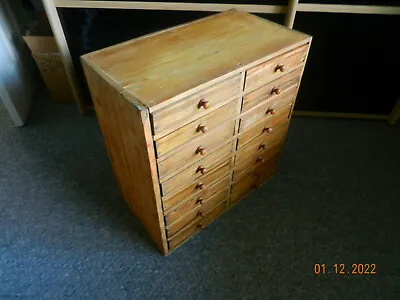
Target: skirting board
[[321, 114]]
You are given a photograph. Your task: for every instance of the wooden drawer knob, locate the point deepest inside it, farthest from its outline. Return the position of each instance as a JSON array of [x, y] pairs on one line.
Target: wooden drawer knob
[[200, 226], [261, 147], [276, 91], [267, 129], [201, 150], [203, 103], [271, 111], [199, 201], [200, 213], [202, 128], [280, 67], [260, 160], [202, 170], [200, 186]]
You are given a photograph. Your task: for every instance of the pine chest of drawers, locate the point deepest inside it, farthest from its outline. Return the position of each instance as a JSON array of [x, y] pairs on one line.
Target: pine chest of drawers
[[194, 117]]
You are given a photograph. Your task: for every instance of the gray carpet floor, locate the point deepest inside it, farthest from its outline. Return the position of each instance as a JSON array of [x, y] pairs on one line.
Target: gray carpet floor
[[65, 232]]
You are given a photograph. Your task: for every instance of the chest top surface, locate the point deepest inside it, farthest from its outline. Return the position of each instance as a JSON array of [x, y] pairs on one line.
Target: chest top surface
[[159, 66]]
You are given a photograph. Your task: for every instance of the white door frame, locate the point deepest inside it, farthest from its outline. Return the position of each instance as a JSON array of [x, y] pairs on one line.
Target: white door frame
[[16, 88]]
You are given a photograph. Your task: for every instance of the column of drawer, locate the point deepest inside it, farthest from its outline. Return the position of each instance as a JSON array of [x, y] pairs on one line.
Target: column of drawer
[[194, 158], [264, 119]]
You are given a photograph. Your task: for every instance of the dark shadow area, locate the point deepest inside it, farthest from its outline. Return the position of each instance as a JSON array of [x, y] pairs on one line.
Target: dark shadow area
[[346, 71]]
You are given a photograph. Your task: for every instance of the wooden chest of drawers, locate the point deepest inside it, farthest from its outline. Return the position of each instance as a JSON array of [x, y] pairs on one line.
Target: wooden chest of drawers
[[194, 117]]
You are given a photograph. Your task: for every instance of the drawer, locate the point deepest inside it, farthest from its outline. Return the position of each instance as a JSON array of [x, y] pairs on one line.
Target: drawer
[[174, 202], [274, 108], [197, 170], [268, 130], [194, 106], [176, 222], [258, 151], [196, 226], [197, 150], [203, 182], [200, 127], [172, 186], [245, 165], [275, 67], [200, 186], [196, 203], [275, 88], [249, 181]]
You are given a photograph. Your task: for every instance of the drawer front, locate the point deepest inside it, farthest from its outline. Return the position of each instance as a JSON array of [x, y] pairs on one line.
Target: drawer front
[[268, 109], [179, 221], [195, 106], [275, 67], [197, 170], [258, 151], [196, 150], [174, 202], [196, 203], [275, 88], [196, 226], [250, 180], [200, 127], [171, 187], [267, 131], [245, 166], [200, 185]]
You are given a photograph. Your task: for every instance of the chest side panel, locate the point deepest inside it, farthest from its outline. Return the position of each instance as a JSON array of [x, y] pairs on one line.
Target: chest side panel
[[127, 135]]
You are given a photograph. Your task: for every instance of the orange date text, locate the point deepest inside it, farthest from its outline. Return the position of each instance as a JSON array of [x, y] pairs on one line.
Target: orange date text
[[345, 269]]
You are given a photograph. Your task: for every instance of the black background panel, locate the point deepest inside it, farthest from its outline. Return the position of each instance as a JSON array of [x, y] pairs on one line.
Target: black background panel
[[352, 67], [353, 64]]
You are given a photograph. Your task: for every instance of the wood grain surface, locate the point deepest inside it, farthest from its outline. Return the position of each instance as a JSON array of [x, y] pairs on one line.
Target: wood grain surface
[[163, 65], [276, 125], [127, 134], [196, 226], [181, 198], [267, 71], [189, 154], [195, 203], [199, 127], [273, 89]]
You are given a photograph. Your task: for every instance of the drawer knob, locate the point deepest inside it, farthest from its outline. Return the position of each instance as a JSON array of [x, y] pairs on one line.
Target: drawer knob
[[202, 128], [276, 91], [202, 170], [271, 111], [280, 67], [200, 186], [260, 160], [201, 150], [256, 175], [200, 213], [199, 201], [203, 103], [261, 147], [267, 129], [200, 226]]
